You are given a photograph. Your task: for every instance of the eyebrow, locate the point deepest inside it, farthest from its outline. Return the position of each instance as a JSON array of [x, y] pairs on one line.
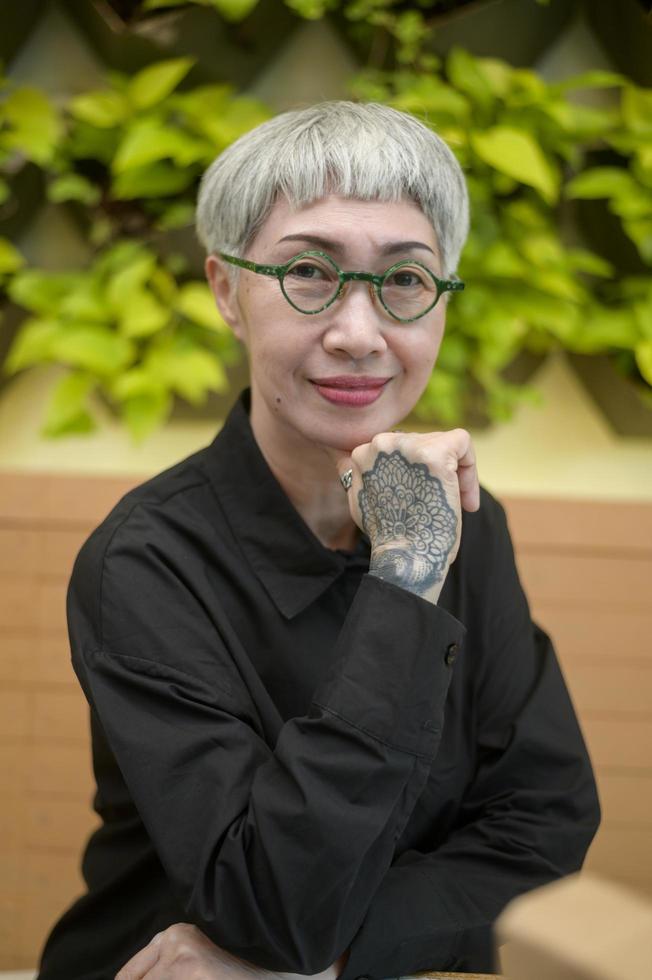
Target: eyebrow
[[388, 248]]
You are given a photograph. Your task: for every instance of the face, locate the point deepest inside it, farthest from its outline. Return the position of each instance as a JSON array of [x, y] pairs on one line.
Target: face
[[354, 340]]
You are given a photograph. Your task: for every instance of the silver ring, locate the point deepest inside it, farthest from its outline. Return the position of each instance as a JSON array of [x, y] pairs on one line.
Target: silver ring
[[346, 479]]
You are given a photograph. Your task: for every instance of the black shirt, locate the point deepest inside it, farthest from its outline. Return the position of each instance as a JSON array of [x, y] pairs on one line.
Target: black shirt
[[299, 757]]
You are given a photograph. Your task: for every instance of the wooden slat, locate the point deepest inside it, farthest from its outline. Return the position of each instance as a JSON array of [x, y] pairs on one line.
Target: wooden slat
[[32, 658], [625, 743], [62, 500], [30, 552], [626, 798], [605, 633], [60, 715], [60, 769], [623, 854], [609, 687], [36, 604], [58, 825], [579, 525], [51, 883], [588, 581]]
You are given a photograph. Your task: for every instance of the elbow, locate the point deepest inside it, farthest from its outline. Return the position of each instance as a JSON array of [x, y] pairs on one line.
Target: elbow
[[277, 942]]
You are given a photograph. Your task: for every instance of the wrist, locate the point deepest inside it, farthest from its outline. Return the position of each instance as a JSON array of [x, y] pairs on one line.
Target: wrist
[[408, 570]]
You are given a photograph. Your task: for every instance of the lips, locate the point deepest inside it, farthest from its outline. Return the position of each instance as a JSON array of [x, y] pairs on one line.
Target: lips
[[355, 391], [351, 381]]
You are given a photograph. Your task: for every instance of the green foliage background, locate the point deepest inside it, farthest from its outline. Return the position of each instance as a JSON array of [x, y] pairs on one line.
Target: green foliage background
[[136, 326]]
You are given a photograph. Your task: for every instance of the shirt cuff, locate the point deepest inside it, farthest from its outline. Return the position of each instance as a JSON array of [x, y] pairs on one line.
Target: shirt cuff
[[393, 664]]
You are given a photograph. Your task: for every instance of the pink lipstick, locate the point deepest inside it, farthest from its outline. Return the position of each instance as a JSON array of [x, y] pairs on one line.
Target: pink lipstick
[[353, 390]]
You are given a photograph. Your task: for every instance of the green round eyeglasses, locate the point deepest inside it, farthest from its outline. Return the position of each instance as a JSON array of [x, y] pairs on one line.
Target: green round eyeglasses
[[312, 281]]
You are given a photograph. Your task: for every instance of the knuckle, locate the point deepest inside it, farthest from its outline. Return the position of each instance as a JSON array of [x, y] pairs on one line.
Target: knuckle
[[384, 441], [174, 934], [184, 954]]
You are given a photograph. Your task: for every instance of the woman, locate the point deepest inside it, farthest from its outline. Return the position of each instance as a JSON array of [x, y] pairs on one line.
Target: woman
[[326, 731]]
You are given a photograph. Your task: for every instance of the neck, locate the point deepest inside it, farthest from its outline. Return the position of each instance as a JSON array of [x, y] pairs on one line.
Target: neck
[[307, 474]]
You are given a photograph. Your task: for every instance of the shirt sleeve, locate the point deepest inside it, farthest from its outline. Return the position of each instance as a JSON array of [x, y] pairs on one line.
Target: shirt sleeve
[[528, 816], [274, 852]]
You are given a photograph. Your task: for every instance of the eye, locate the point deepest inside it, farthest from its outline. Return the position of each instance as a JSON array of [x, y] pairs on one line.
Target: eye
[[405, 278], [309, 270]]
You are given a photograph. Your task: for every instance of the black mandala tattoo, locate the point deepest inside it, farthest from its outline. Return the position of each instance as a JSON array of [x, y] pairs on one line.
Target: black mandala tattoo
[[411, 525]]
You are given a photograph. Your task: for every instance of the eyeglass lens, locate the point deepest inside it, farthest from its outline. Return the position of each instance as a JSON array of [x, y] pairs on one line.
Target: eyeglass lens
[[311, 282]]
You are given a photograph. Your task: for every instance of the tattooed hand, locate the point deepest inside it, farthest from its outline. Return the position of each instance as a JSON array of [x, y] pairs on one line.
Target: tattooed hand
[[407, 494]]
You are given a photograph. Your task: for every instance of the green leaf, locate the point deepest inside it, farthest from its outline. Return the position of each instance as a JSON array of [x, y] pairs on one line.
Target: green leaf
[[146, 412], [160, 4], [164, 285], [603, 329], [122, 254], [66, 412], [32, 344], [178, 215], [97, 349], [236, 118], [157, 180], [590, 79], [152, 84], [637, 109], [73, 187], [600, 182], [150, 140], [430, 97], [516, 154], [35, 127], [143, 315], [586, 261], [195, 301], [640, 231], [234, 10], [311, 9], [42, 292], [443, 396], [188, 369], [466, 74], [104, 109], [86, 302], [5, 191], [10, 258], [129, 279], [135, 381], [643, 353]]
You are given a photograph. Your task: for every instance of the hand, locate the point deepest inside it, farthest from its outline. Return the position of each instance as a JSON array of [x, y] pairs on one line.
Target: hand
[[183, 952], [407, 494]]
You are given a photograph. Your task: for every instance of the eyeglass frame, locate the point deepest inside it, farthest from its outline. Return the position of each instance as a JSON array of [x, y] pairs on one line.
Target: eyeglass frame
[[280, 271]]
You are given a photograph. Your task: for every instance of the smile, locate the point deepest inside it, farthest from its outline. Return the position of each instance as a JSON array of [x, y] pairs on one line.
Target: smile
[[355, 391]]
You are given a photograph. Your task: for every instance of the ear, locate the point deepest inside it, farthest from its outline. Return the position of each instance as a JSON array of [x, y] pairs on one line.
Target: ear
[[225, 294]]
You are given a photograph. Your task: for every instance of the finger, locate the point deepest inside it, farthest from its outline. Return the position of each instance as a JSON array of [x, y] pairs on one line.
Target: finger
[[139, 965], [467, 474], [343, 464]]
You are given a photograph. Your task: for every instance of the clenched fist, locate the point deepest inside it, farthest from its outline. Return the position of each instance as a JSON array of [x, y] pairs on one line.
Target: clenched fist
[[407, 493]]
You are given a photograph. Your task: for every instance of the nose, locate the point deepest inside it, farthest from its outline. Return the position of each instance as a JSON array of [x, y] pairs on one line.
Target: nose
[[355, 324]]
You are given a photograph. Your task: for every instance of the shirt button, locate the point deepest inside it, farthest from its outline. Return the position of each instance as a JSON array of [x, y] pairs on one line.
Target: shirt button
[[451, 654]]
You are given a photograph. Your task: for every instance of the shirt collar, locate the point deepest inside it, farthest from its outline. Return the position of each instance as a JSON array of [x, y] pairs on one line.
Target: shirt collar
[[292, 564]]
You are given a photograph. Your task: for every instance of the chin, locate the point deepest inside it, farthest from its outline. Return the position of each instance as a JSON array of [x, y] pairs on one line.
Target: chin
[[353, 432]]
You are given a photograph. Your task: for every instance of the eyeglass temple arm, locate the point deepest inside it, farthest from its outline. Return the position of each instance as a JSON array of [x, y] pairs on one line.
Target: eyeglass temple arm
[[265, 270]]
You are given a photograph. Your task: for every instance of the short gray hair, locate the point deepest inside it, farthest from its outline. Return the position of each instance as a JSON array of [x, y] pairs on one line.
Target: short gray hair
[[366, 151]]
